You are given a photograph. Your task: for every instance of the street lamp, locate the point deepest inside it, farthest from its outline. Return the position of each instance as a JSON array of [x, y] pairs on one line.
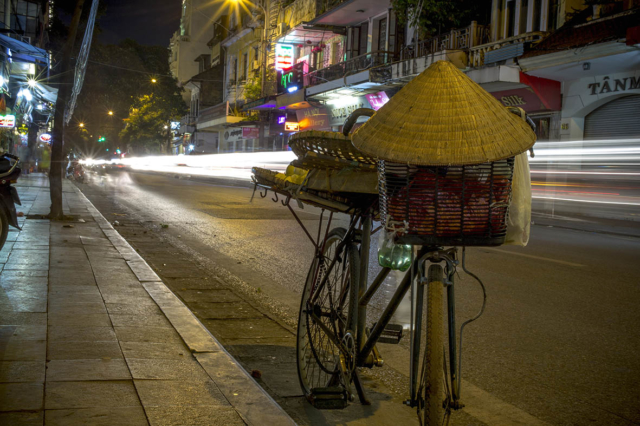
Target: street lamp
[[153, 80], [110, 112], [81, 124]]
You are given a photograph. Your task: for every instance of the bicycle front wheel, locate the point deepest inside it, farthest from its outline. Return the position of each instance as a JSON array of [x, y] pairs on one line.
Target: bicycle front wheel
[[431, 390], [325, 312]]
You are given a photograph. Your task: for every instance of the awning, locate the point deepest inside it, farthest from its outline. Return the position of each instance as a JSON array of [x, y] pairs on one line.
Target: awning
[[24, 51], [268, 102]]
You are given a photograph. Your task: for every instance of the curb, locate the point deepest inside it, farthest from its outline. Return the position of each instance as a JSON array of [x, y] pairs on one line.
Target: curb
[[246, 396]]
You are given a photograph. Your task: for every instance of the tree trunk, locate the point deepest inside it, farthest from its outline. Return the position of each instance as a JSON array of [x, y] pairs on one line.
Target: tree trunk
[[57, 138], [32, 141]]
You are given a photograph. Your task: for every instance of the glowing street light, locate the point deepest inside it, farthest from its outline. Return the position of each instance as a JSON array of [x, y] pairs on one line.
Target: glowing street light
[[110, 112], [81, 124], [153, 80], [32, 83]]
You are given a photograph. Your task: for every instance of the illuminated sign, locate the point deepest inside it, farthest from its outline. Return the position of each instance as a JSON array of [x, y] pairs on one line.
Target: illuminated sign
[[284, 56], [291, 80], [250, 132], [291, 127], [45, 137], [175, 125], [305, 61], [282, 119], [377, 100], [7, 120]]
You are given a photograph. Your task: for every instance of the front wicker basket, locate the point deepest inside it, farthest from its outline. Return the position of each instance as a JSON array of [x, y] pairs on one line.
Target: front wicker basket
[[446, 206]]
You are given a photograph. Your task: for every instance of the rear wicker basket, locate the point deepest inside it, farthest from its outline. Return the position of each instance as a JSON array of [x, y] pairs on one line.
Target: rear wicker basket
[[446, 206]]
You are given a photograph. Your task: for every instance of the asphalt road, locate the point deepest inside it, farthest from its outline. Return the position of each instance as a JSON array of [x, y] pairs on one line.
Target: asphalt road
[[558, 343]]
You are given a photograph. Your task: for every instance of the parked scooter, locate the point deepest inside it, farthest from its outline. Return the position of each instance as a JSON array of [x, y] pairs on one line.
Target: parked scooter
[[9, 173], [78, 173]]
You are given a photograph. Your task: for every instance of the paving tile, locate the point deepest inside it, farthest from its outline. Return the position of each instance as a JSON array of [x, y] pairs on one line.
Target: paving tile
[[194, 416], [224, 310], [147, 334], [77, 305], [128, 309], [21, 371], [121, 416], [129, 299], [154, 393], [22, 350], [122, 290], [24, 303], [73, 290], [166, 369], [211, 296], [81, 334], [73, 319], [83, 350], [23, 318], [25, 273], [192, 331], [143, 271], [26, 266], [87, 369], [24, 332], [77, 279], [60, 395], [21, 396], [247, 328], [58, 300], [22, 418], [147, 350], [140, 320]]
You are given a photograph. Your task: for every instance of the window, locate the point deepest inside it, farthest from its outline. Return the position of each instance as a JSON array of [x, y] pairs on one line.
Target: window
[[244, 66], [537, 12], [524, 13], [234, 71], [382, 34], [364, 39], [510, 18]]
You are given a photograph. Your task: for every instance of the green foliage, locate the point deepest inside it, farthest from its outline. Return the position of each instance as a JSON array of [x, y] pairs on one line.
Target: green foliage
[[433, 17], [119, 79], [253, 87]]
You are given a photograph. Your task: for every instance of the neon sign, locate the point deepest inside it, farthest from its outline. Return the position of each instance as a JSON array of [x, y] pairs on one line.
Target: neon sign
[[377, 100], [284, 56], [282, 119], [7, 121], [45, 137], [291, 127]]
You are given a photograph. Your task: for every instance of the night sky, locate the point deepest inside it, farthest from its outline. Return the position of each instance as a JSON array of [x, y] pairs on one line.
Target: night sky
[[151, 22]]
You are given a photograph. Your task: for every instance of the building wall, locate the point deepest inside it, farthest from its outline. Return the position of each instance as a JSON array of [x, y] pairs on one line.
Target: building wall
[[584, 95]]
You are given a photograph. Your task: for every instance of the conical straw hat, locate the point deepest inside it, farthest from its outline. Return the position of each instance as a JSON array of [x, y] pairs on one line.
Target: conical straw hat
[[440, 118]]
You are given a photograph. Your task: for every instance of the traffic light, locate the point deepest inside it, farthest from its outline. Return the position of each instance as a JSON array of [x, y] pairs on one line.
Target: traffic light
[[102, 139], [118, 151]]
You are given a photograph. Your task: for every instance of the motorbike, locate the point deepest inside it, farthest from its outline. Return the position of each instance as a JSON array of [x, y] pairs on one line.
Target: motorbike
[[9, 173], [78, 173]]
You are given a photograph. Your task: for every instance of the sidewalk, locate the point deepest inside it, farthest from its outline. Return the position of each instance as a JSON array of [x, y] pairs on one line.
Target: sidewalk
[[89, 334]]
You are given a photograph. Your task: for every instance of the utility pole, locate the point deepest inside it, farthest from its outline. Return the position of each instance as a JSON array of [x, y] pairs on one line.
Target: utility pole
[[57, 140]]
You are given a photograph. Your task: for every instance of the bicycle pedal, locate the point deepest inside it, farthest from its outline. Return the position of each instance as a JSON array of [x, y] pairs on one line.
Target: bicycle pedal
[[331, 398], [392, 334]]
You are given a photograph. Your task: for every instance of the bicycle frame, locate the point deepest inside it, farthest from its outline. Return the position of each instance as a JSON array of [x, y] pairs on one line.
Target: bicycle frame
[[365, 356]]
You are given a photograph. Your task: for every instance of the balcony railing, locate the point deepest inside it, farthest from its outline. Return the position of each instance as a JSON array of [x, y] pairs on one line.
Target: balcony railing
[[458, 39], [351, 66], [476, 53]]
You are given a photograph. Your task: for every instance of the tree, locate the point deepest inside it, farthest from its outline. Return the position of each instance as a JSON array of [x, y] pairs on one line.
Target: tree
[[145, 126], [438, 16]]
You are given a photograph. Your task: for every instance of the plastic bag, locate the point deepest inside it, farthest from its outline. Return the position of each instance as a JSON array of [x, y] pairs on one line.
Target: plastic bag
[[519, 219]]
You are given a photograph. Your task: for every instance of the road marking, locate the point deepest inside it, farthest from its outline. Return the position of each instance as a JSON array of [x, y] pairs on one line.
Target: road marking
[[562, 262]]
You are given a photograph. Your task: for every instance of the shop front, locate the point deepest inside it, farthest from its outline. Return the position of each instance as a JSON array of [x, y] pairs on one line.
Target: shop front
[[602, 107]]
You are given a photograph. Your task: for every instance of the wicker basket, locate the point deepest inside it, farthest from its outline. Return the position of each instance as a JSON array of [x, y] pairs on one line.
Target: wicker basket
[[446, 206], [327, 144]]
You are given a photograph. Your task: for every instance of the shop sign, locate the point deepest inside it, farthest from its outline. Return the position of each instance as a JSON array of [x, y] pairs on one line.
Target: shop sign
[[250, 132], [292, 79], [340, 112], [377, 100], [7, 120], [233, 135], [304, 60], [282, 119], [45, 137], [313, 119], [284, 56], [523, 98], [611, 86], [291, 127]]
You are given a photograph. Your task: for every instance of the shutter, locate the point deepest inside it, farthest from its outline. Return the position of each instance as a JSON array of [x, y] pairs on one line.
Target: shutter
[[617, 119]]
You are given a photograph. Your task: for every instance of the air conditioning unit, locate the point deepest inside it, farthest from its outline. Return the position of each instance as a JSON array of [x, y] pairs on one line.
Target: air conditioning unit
[[255, 65]]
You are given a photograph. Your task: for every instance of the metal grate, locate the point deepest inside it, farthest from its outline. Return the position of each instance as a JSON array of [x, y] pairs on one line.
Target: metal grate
[[446, 206]]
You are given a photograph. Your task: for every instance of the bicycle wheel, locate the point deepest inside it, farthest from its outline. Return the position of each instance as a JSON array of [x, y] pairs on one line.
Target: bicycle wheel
[[431, 389], [323, 370]]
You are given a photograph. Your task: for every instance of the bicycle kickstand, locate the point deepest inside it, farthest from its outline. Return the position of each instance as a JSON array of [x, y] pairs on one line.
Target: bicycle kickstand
[[360, 389]]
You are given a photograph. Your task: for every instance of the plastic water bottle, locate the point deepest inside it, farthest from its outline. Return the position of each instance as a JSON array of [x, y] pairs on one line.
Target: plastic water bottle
[[394, 256]]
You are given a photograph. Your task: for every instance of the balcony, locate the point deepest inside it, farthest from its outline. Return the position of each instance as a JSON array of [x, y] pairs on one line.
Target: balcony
[[458, 39], [477, 54], [351, 66]]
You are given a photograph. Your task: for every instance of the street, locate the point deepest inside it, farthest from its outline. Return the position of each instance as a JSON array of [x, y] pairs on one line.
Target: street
[[556, 345]]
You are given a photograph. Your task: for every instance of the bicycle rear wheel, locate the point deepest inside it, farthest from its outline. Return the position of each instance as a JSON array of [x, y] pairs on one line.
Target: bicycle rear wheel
[[323, 369], [431, 390]]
